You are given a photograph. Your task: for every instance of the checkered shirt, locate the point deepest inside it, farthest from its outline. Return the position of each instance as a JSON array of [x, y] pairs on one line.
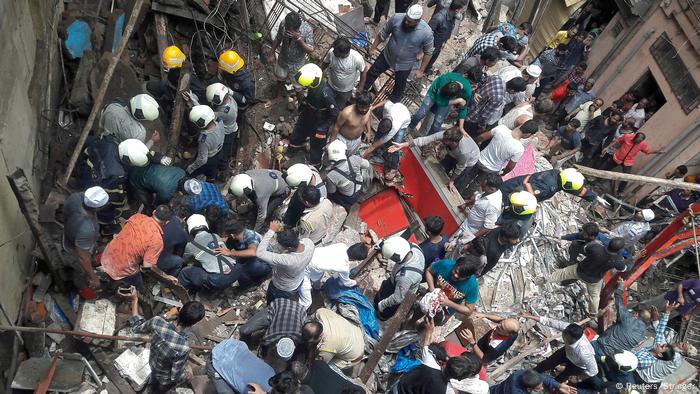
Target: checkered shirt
[[286, 319], [644, 356], [492, 92], [483, 42], [169, 349]]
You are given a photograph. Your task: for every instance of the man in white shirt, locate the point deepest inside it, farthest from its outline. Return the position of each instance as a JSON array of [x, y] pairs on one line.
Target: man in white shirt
[[504, 149], [392, 128], [345, 67], [483, 214], [637, 113], [577, 355]]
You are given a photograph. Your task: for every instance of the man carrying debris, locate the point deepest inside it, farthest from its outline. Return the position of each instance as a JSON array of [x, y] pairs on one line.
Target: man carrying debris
[[242, 244], [407, 35], [345, 67], [462, 151], [165, 91], [405, 276], [504, 149], [266, 188], [353, 122], [597, 261], [577, 355], [344, 179], [210, 271], [236, 77], [336, 340], [288, 267], [295, 39], [315, 221], [169, 350], [123, 120], [317, 113], [211, 142], [457, 281], [81, 232], [139, 243]]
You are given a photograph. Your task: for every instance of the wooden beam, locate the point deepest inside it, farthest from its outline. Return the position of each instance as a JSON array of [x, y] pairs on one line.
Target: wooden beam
[[387, 336], [97, 106], [619, 176], [161, 22], [178, 113]]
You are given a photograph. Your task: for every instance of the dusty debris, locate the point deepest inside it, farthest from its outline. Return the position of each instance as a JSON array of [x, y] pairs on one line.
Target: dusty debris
[[133, 365]]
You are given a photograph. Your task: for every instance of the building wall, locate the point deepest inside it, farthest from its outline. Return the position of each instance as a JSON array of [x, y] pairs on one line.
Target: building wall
[[617, 70], [23, 27]]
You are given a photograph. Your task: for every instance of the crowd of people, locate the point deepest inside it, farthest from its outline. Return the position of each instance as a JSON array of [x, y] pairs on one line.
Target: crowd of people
[[480, 120]]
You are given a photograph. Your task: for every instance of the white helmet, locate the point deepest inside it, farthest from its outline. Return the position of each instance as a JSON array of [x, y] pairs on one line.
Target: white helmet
[[297, 174], [196, 221], [396, 249], [626, 361], [216, 93], [202, 115], [241, 184], [133, 152], [337, 150], [144, 107]]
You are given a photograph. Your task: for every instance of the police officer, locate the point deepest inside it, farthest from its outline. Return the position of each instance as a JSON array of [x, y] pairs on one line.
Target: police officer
[[236, 76], [518, 207], [211, 141], [299, 176], [317, 113], [344, 179], [165, 90], [405, 277], [545, 184], [221, 99], [266, 188], [123, 120]]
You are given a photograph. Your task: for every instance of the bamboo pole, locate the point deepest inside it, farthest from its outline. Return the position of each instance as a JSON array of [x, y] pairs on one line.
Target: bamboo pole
[[86, 334], [128, 30], [619, 176]]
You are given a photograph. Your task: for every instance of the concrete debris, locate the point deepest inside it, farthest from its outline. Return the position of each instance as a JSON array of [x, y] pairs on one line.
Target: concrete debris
[[133, 365], [98, 317]]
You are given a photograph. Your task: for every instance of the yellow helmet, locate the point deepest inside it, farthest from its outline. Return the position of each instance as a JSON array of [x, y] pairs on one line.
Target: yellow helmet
[[571, 179], [173, 57], [523, 203], [309, 75], [230, 61]]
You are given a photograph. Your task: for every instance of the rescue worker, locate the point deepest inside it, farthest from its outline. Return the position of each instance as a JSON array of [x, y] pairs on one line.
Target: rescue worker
[[211, 141], [266, 188], [154, 184], [212, 271], [344, 179], [545, 184], [226, 109], [299, 176], [519, 208], [123, 120], [236, 76], [405, 277], [165, 90], [317, 113]]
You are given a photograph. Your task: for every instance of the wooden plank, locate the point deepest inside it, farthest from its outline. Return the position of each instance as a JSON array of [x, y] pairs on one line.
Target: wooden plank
[[106, 364], [178, 113], [387, 336], [186, 13], [619, 176], [97, 106], [161, 23], [179, 291]]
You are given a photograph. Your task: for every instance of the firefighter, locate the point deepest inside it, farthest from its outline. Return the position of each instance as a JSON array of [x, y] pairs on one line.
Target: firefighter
[[317, 113], [211, 141], [405, 277], [299, 176], [122, 121], [236, 76], [545, 184], [519, 207], [165, 90], [226, 108]]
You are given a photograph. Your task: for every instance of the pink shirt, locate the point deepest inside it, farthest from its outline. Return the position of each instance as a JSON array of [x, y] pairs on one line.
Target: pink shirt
[[629, 150]]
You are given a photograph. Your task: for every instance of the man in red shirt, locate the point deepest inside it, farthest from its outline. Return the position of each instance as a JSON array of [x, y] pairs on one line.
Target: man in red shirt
[[627, 148]]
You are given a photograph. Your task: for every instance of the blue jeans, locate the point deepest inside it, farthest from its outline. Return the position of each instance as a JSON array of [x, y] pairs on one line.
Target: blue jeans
[[195, 278], [428, 104], [274, 293], [171, 264], [251, 271], [392, 161]]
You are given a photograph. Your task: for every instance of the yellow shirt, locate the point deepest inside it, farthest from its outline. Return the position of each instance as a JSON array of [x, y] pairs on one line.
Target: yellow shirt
[[562, 37], [342, 342]]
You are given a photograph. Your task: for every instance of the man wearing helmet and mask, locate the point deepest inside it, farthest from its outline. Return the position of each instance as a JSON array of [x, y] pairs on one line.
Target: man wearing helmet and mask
[[298, 176], [405, 276], [317, 113], [344, 179], [164, 91], [235, 75], [211, 141], [123, 120], [266, 188], [519, 208]]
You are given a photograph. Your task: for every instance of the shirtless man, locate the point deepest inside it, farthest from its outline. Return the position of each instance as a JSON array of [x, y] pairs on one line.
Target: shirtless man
[[352, 122]]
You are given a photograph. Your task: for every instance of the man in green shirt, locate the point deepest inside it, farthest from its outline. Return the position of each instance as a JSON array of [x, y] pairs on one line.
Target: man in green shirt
[[445, 91]]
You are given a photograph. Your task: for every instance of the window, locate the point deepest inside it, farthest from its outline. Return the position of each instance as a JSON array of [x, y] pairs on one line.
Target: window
[[684, 87], [617, 29]]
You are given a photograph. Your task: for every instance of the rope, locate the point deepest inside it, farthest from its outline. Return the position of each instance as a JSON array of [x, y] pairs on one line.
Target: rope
[[695, 237]]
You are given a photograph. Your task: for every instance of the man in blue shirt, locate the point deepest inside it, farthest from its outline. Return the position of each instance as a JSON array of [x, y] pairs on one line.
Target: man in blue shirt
[[433, 248], [242, 244], [203, 194]]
